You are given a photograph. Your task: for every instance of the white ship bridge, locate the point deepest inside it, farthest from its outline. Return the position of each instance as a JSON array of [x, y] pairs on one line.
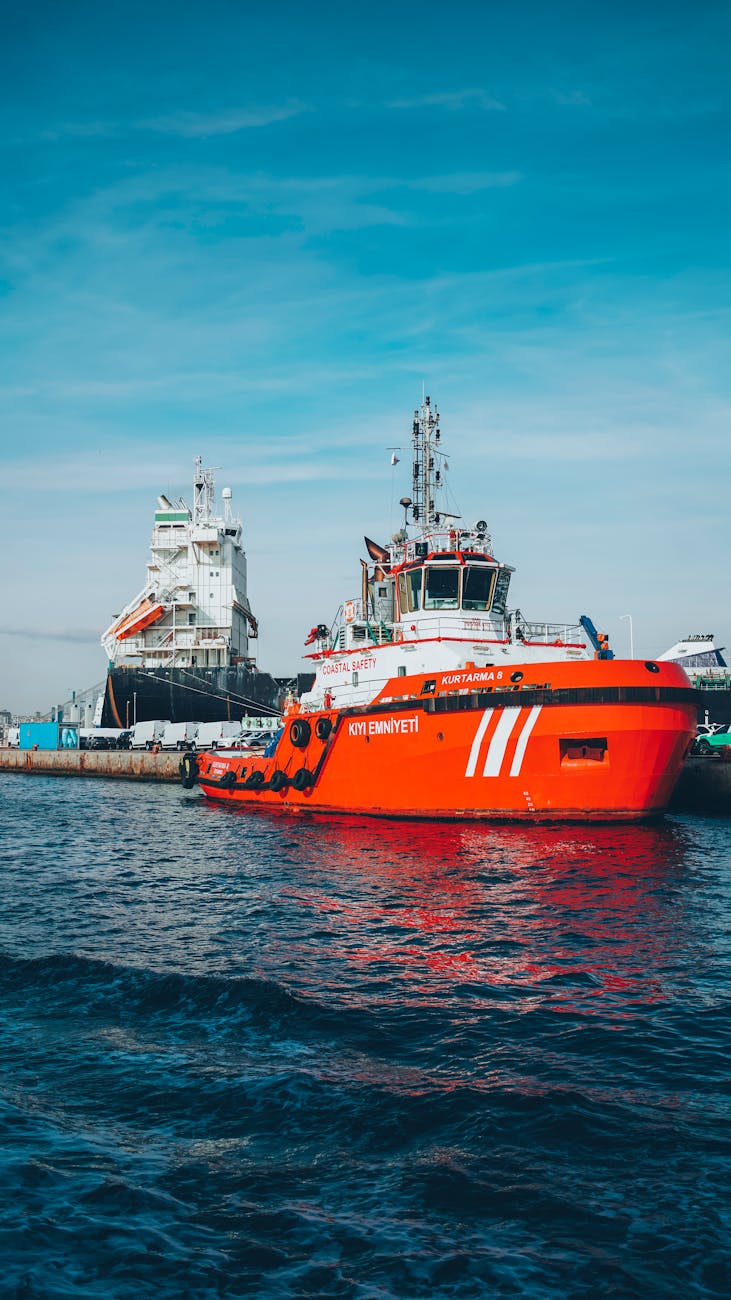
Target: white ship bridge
[[434, 599], [193, 610]]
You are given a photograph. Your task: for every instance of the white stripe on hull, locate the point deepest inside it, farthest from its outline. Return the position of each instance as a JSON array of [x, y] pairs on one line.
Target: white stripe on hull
[[523, 739], [499, 742], [506, 725], [475, 750]]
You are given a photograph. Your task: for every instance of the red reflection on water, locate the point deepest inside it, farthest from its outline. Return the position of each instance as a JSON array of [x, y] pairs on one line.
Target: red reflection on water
[[573, 915]]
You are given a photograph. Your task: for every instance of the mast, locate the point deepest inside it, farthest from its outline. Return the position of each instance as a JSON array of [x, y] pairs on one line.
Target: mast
[[204, 493], [425, 439]]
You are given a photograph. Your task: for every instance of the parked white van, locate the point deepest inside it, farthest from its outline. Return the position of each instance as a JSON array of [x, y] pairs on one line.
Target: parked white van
[[146, 734], [214, 735], [180, 735], [14, 737]]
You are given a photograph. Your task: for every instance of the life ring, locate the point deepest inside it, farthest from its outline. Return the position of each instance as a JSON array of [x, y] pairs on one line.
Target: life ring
[[349, 611], [188, 769], [323, 727], [278, 781], [303, 779], [300, 732]]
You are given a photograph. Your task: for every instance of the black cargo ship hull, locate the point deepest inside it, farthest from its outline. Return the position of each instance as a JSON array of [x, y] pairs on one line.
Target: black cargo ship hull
[[189, 695], [714, 702]]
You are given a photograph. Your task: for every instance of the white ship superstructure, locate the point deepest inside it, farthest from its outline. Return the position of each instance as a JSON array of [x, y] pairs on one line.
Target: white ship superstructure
[[434, 600], [699, 654], [193, 611]]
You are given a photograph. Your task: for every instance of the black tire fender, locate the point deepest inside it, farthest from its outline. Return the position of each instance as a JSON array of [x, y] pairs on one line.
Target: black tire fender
[[303, 779], [278, 781], [323, 727], [300, 732], [255, 779], [188, 769]]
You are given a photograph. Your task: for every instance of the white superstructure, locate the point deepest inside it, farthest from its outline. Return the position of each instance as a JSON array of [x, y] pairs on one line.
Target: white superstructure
[[697, 653], [434, 600], [193, 610]]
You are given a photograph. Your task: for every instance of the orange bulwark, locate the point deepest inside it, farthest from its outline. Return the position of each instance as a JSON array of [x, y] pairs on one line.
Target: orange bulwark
[[591, 740]]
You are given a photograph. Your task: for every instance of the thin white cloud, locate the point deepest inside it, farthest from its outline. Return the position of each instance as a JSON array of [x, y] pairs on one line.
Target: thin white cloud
[[82, 130], [298, 459], [183, 123], [79, 636], [195, 125], [454, 101], [465, 182], [571, 98]]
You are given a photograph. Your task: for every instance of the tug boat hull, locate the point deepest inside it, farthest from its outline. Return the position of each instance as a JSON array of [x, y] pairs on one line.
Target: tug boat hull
[[604, 741]]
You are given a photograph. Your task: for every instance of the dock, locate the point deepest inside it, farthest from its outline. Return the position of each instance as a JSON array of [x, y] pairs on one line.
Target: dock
[[126, 764], [704, 785]]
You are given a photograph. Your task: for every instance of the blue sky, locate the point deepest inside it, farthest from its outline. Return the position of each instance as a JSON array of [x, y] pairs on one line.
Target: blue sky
[[253, 234]]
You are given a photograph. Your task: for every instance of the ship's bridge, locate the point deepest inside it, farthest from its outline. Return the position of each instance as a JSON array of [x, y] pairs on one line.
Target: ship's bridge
[[428, 594], [452, 581], [448, 569]]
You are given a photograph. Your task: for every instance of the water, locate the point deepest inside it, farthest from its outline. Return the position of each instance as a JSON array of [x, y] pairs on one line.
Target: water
[[250, 1056]]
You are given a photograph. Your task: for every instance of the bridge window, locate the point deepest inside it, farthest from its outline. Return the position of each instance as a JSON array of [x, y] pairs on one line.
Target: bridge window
[[410, 590], [477, 587], [501, 591], [441, 588]]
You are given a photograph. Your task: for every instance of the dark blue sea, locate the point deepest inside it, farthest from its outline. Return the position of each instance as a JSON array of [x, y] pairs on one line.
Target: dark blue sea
[[242, 1055]]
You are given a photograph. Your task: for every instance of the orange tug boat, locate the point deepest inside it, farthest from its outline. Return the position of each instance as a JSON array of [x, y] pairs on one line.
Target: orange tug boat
[[432, 699]]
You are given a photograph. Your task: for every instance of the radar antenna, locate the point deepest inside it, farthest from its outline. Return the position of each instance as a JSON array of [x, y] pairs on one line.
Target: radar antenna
[[204, 493], [425, 439]]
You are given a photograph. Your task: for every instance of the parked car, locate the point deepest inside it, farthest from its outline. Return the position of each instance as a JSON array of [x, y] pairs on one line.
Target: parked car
[[100, 737], [124, 739], [708, 728], [713, 742], [256, 740]]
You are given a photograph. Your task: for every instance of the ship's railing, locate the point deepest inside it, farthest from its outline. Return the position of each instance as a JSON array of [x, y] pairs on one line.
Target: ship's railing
[[547, 633], [354, 630], [353, 627], [441, 539], [461, 625], [712, 679], [182, 640]]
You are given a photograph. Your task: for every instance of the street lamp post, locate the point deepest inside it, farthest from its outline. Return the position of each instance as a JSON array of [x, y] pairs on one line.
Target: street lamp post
[[631, 637]]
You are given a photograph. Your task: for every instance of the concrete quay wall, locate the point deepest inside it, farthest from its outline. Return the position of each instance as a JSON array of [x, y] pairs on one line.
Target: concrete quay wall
[[704, 785], [128, 764]]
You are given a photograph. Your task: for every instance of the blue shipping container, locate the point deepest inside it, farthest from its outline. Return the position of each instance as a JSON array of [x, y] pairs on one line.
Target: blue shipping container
[[48, 735]]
